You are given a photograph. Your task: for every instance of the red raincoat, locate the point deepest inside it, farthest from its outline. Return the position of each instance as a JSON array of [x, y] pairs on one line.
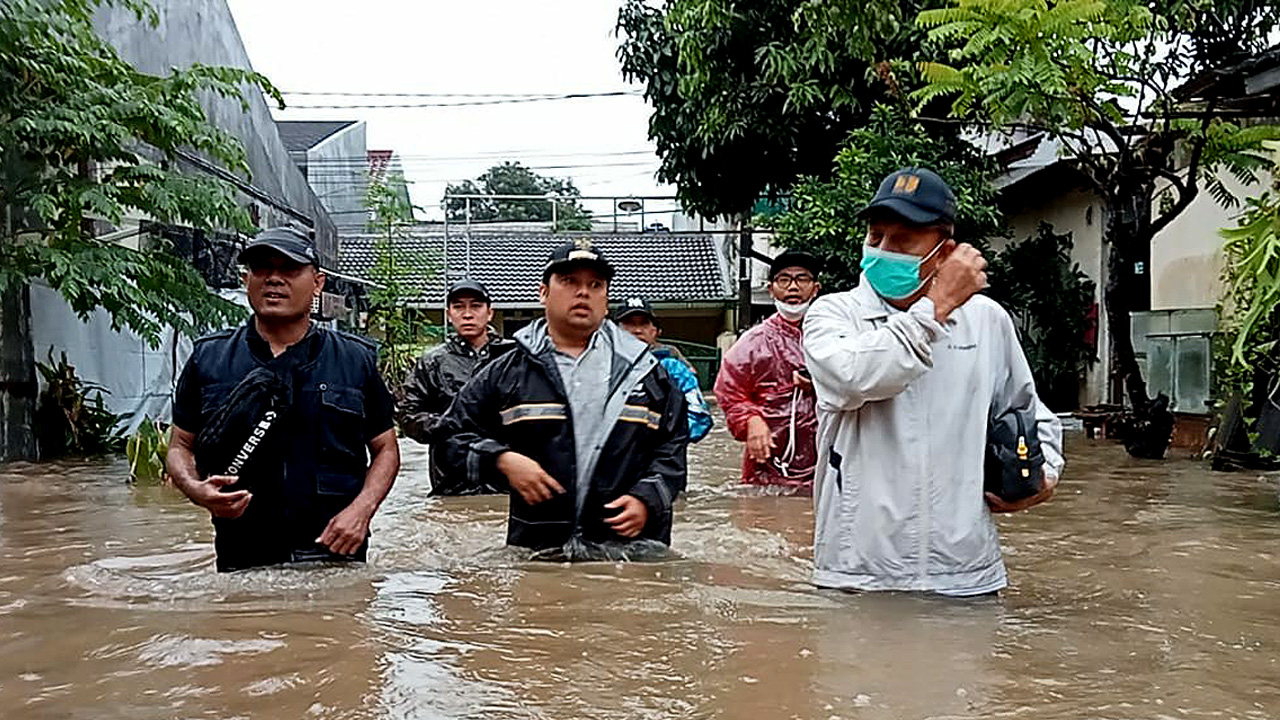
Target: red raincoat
[[756, 378]]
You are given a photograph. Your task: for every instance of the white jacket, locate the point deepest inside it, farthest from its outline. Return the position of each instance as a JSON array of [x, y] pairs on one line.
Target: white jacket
[[903, 407]]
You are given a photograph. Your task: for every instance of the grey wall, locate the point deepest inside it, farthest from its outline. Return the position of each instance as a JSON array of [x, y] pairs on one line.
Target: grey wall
[[338, 171], [204, 31]]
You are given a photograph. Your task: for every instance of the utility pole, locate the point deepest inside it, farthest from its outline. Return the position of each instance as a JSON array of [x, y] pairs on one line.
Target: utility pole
[[745, 251]]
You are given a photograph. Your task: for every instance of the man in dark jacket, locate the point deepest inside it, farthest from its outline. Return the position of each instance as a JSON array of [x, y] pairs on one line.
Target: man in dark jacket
[[313, 469], [584, 423], [439, 374]]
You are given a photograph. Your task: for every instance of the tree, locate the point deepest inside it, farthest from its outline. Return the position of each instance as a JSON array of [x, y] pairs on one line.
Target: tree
[[822, 217], [750, 97], [389, 315], [1100, 77], [512, 178], [1245, 352], [86, 139]]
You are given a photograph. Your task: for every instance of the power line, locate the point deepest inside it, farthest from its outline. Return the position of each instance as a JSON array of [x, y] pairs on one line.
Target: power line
[[468, 103], [516, 156], [339, 93]]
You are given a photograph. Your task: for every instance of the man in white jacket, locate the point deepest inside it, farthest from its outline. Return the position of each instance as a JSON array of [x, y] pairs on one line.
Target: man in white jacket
[[908, 367]]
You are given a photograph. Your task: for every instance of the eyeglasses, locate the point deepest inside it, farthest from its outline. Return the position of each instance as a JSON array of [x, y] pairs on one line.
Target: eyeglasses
[[803, 282]]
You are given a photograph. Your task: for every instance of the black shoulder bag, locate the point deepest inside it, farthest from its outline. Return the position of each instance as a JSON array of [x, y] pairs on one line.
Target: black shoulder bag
[[1014, 463]]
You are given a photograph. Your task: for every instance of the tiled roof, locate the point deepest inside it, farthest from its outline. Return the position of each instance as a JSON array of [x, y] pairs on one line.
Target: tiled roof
[[298, 135], [661, 267]]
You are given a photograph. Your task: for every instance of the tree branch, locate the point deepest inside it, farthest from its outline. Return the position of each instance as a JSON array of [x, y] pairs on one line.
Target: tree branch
[[1188, 192]]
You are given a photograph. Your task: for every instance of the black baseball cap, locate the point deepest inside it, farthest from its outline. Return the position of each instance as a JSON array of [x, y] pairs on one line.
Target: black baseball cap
[[918, 195], [577, 253], [794, 258], [287, 241], [467, 286], [634, 306]]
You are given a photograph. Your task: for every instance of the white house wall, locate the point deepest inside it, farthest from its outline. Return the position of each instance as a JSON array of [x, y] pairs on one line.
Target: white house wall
[[1080, 213], [1187, 258]]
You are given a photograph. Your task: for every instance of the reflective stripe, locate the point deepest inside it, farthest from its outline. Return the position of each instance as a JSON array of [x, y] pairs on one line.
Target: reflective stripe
[[641, 414], [534, 411]]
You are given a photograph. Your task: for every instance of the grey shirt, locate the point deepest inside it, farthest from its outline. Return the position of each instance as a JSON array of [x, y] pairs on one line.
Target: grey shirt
[[586, 381]]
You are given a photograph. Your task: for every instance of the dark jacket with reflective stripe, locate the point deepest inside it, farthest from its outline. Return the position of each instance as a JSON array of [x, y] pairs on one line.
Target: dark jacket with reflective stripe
[[431, 385], [518, 403]]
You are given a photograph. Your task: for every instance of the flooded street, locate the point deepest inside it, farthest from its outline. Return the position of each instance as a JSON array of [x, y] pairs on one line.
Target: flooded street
[[1144, 590]]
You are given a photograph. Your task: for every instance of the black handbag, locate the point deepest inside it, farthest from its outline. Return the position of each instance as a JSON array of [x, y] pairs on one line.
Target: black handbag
[[1014, 463], [229, 442]]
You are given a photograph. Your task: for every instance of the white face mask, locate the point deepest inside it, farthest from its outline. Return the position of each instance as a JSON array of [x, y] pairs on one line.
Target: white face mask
[[792, 313]]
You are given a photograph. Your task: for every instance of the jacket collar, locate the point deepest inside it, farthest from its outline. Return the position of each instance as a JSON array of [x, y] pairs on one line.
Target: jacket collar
[[535, 340], [458, 346], [873, 306]]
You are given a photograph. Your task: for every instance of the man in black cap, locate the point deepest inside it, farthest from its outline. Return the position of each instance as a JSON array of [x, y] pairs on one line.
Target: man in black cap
[[763, 386], [581, 419], [636, 317], [439, 374], [909, 367], [283, 429]]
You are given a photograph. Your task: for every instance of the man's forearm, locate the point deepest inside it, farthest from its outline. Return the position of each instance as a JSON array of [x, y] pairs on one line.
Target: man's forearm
[[180, 463], [379, 478]]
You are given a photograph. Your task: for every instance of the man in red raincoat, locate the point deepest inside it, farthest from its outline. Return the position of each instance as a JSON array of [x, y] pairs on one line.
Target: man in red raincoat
[[764, 388]]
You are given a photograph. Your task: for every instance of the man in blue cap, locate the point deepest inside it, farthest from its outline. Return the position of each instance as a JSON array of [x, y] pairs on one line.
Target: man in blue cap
[[283, 430], [908, 367], [636, 317]]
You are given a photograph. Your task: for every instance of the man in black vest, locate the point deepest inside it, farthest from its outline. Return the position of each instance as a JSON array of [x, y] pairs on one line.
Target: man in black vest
[[284, 430]]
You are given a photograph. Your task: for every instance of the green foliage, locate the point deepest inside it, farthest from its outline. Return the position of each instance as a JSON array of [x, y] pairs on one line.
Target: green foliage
[[1251, 282], [823, 214], [1101, 77], [750, 97], [1049, 298], [512, 178], [86, 139], [69, 422], [390, 318], [146, 450], [1088, 70]]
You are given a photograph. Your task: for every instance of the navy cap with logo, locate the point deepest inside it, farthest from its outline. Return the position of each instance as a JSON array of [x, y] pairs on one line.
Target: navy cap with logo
[[467, 286], [918, 195], [794, 258], [287, 241], [633, 306], [578, 253]]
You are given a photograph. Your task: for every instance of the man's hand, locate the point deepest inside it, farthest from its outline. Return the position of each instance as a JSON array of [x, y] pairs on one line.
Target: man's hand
[[208, 494], [759, 439], [528, 478], [961, 275], [1000, 506], [346, 532], [632, 519], [802, 380]]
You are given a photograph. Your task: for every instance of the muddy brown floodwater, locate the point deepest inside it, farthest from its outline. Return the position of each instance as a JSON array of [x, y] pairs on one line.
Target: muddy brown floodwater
[[1144, 590]]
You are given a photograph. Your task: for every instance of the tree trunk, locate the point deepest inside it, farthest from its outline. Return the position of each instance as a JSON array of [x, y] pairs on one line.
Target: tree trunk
[[17, 377], [1128, 228]]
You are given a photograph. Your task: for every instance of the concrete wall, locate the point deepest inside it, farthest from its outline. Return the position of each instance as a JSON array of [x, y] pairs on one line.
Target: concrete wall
[[204, 31], [1187, 258], [340, 177], [1081, 213]]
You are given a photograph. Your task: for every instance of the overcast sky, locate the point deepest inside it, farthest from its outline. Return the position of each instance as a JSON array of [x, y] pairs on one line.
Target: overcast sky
[[478, 46]]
